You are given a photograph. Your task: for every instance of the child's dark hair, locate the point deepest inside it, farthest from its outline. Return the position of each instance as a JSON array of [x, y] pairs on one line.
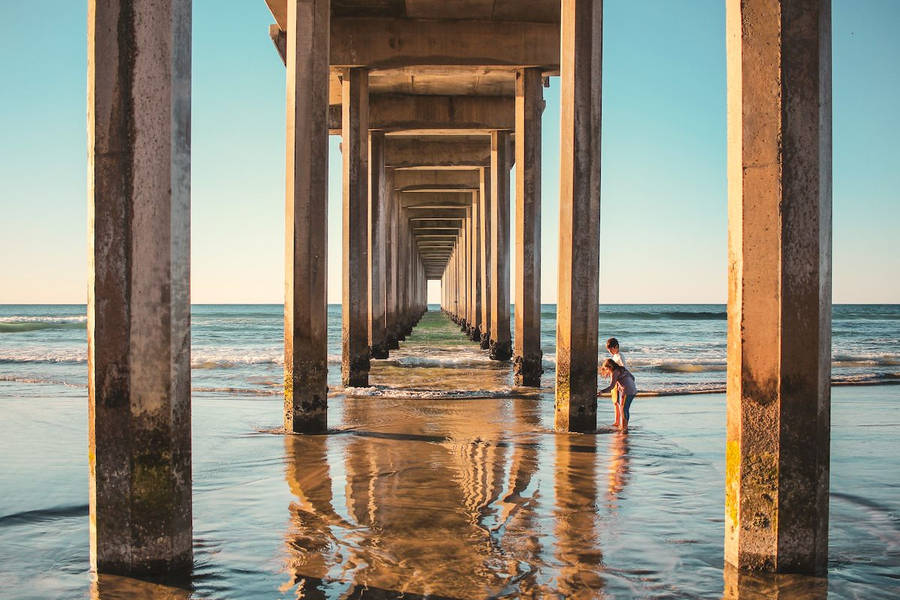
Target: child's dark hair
[[612, 343]]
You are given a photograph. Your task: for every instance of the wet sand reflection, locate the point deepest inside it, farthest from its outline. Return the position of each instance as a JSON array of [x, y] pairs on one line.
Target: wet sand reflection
[[418, 498]]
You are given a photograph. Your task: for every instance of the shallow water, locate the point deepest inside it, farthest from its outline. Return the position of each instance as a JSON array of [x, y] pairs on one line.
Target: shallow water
[[421, 492]]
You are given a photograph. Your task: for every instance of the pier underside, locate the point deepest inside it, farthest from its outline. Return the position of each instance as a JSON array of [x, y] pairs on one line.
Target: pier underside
[[435, 101]]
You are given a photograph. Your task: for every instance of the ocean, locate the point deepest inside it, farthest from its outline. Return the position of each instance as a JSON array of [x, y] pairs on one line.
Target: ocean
[[441, 480], [238, 349]]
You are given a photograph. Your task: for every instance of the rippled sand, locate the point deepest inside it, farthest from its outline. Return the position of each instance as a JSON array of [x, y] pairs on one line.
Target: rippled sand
[[443, 482]]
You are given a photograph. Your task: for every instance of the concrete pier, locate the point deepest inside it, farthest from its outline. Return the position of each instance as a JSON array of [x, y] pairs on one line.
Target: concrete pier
[[306, 220], [355, 328], [529, 107], [486, 232], [501, 345], [779, 300], [579, 216], [139, 378], [474, 331], [378, 190]]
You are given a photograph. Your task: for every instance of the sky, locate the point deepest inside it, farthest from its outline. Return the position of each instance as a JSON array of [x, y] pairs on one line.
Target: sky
[[663, 191]]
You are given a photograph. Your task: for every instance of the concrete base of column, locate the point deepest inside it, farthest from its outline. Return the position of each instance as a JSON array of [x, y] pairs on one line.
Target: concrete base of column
[[501, 350], [391, 341], [355, 372], [474, 334], [527, 370], [485, 340]]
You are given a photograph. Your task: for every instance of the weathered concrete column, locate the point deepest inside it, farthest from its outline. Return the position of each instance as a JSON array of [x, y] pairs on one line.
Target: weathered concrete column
[[475, 229], [355, 335], [579, 216], [139, 335], [394, 291], [501, 346], [378, 191], [306, 217], [529, 107], [390, 276], [485, 231], [403, 282], [779, 301]]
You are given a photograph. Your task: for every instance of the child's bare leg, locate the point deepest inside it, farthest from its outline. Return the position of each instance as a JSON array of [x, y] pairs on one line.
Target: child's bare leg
[[614, 396]]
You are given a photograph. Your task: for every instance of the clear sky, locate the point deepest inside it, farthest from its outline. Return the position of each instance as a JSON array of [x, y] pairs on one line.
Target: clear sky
[[663, 231]]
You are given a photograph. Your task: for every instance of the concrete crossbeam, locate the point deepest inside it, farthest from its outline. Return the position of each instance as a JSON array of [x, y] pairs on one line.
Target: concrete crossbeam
[[439, 114], [401, 42], [411, 152]]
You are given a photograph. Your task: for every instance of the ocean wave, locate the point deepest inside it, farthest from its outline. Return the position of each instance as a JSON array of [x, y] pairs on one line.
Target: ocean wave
[[424, 394], [22, 324], [40, 381], [865, 360]]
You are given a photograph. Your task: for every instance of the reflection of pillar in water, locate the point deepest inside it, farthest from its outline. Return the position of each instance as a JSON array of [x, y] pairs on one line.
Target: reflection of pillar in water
[[310, 549], [520, 541], [108, 587], [580, 559], [744, 585], [618, 467]]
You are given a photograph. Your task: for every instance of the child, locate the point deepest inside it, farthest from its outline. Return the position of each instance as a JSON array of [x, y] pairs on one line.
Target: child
[[612, 346], [622, 381]]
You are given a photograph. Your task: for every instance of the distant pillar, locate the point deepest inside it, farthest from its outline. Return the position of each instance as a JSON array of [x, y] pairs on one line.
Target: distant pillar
[[394, 291], [377, 233], [779, 301], [501, 346], [466, 260], [390, 277], [355, 125], [529, 106], [485, 230], [139, 334], [306, 219], [579, 216], [475, 229]]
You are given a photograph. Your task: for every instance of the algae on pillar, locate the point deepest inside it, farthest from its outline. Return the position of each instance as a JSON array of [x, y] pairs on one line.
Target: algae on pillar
[[529, 107], [501, 345], [579, 216], [355, 329], [779, 296], [138, 311], [306, 216]]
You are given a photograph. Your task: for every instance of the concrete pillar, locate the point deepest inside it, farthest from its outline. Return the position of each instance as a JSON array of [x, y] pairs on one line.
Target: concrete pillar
[[139, 335], [306, 219], [378, 190], [355, 131], [403, 293], [390, 267], [501, 346], [465, 260], [394, 293], [485, 231], [475, 230], [579, 216], [779, 300], [529, 106]]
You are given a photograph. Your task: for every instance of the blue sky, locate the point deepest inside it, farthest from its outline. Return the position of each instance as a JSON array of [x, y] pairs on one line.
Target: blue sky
[[663, 231]]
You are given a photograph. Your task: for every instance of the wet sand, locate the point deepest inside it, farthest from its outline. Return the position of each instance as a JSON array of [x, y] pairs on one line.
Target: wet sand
[[470, 496]]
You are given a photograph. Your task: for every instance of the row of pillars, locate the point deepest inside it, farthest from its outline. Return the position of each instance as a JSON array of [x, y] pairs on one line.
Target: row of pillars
[[475, 283], [779, 171]]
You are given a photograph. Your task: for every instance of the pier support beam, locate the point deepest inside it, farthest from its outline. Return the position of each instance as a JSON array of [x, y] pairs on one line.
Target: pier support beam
[[501, 346], [306, 216], [779, 301], [355, 334], [139, 378], [393, 272], [579, 216], [529, 106], [485, 231], [378, 191], [475, 276]]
